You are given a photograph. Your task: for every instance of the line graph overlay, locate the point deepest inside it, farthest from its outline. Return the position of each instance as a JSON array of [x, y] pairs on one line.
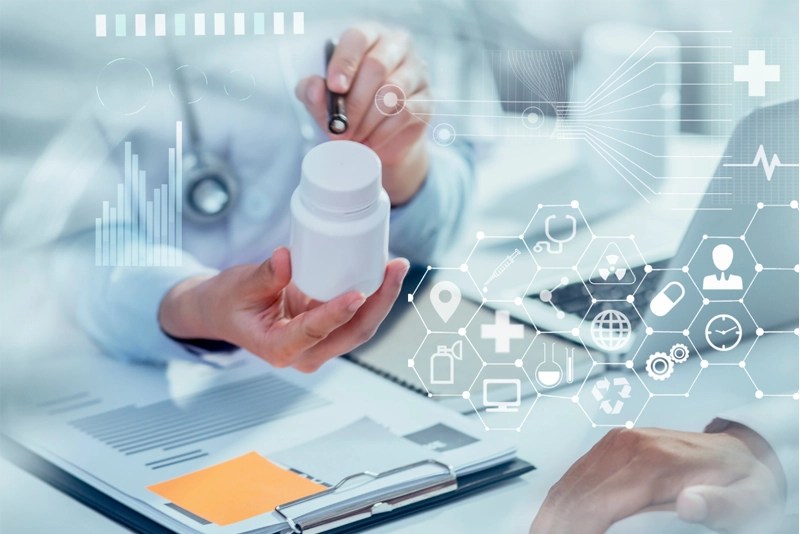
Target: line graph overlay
[[768, 164]]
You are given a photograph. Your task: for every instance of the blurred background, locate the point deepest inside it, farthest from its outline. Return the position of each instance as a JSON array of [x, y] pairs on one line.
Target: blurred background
[[51, 59], [69, 98]]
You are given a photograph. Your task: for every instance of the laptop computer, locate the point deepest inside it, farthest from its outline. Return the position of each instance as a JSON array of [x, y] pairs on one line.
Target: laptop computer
[[733, 277]]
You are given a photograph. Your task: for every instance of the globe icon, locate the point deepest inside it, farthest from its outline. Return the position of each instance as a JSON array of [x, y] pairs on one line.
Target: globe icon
[[611, 330]]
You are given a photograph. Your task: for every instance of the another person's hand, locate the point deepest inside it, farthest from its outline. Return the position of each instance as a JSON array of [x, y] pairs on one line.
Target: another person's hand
[[729, 481], [256, 307], [366, 58]]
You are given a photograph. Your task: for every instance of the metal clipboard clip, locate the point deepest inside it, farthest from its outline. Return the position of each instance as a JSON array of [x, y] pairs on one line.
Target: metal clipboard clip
[[356, 512]]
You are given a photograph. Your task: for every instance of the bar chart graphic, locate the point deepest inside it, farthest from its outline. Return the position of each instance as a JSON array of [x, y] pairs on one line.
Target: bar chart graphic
[[142, 232]]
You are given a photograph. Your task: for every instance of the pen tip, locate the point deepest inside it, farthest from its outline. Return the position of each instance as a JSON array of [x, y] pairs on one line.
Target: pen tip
[[337, 126]]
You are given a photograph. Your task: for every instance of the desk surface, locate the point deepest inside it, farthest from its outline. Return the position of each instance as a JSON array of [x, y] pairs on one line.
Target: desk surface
[[556, 433]]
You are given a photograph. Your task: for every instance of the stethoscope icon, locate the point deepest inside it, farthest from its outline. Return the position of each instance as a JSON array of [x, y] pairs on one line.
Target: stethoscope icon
[[555, 245]]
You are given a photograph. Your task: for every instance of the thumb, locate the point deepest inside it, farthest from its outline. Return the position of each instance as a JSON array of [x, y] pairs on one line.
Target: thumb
[[735, 508], [274, 274]]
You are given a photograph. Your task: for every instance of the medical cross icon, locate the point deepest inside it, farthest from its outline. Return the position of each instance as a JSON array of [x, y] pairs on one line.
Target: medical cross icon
[[502, 331], [756, 73]]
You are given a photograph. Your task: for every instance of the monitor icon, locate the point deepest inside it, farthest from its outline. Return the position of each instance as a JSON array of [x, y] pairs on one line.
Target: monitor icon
[[498, 395]]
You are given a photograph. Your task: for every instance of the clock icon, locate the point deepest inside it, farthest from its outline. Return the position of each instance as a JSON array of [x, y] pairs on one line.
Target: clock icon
[[723, 332]]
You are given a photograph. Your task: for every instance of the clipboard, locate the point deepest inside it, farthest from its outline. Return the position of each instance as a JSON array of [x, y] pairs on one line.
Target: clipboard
[[444, 489]]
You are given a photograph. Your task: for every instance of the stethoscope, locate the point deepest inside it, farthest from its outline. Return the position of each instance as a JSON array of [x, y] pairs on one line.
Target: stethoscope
[[555, 245], [210, 187]]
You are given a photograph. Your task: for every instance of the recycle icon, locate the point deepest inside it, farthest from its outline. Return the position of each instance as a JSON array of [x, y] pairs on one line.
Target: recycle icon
[[602, 390]]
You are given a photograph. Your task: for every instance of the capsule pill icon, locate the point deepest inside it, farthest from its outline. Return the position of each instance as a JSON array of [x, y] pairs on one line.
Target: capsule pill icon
[[666, 299]]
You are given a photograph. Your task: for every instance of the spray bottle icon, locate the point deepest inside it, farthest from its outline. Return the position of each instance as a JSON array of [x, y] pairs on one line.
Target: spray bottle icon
[[443, 363]]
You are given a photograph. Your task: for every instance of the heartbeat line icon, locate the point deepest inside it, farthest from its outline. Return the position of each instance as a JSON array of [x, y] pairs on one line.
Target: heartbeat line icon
[[769, 166]]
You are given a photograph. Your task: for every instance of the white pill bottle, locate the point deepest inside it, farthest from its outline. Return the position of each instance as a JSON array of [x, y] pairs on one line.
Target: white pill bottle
[[340, 222]]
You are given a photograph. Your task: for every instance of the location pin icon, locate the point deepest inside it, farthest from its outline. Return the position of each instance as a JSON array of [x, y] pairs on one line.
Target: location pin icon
[[445, 307]]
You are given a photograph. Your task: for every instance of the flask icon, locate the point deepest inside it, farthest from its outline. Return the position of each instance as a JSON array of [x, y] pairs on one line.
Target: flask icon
[[549, 373], [443, 363]]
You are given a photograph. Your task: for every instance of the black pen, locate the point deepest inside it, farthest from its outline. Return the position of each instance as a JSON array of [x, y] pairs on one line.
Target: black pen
[[337, 116]]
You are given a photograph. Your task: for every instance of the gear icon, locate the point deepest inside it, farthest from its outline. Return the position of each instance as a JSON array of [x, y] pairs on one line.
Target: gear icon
[[659, 366], [679, 353]]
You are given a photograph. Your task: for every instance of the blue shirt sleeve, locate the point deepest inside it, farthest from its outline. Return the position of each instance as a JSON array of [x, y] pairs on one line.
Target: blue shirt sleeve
[[421, 229]]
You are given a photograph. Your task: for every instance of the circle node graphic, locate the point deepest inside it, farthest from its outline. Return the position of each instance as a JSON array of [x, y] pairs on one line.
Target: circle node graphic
[[192, 77], [532, 117], [444, 134], [239, 84], [390, 100], [124, 86]]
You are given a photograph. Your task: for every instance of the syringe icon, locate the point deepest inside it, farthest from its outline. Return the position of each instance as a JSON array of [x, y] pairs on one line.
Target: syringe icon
[[501, 267]]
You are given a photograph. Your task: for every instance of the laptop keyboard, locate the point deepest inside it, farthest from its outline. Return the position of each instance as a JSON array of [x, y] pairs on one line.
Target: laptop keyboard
[[575, 299]]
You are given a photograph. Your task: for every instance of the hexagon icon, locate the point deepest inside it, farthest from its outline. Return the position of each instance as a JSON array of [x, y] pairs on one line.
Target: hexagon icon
[[502, 267], [667, 363], [768, 298], [446, 364], [613, 398], [669, 304], [763, 226], [439, 300], [503, 334], [772, 364], [723, 332], [610, 326], [557, 235], [610, 266], [503, 396], [554, 364], [722, 267]]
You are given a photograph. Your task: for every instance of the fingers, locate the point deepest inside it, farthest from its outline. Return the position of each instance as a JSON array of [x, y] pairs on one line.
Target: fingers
[[367, 58], [377, 68], [611, 481], [596, 491], [269, 279], [287, 343], [412, 78], [364, 324], [347, 57], [734, 508], [395, 137]]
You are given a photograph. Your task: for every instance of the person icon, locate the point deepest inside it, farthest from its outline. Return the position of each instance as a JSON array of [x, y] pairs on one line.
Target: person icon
[[723, 258]]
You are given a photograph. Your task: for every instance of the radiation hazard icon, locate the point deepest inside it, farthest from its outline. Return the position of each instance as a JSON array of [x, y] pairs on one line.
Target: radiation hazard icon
[[612, 268]]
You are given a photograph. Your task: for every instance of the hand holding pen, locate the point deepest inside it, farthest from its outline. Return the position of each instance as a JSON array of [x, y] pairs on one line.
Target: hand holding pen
[[365, 59], [337, 114]]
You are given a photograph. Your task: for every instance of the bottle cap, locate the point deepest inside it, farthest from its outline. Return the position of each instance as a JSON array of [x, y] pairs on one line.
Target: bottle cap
[[341, 176]]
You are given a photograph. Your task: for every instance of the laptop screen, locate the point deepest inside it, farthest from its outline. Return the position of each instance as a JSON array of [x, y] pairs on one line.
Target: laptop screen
[[739, 254]]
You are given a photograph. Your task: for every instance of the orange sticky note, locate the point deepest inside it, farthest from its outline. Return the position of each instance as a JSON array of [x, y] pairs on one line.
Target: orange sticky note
[[236, 490]]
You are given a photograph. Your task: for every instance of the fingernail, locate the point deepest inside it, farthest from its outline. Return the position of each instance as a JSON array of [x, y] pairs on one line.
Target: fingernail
[[310, 93], [356, 304], [341, 80], [404, 271], [693, 507]]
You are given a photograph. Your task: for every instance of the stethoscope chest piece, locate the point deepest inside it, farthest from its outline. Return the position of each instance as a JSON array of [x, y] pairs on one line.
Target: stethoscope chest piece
[[210, 190]]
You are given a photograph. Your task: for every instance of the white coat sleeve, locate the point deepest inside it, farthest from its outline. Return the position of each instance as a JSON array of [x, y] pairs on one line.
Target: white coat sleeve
[[118, 306]]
